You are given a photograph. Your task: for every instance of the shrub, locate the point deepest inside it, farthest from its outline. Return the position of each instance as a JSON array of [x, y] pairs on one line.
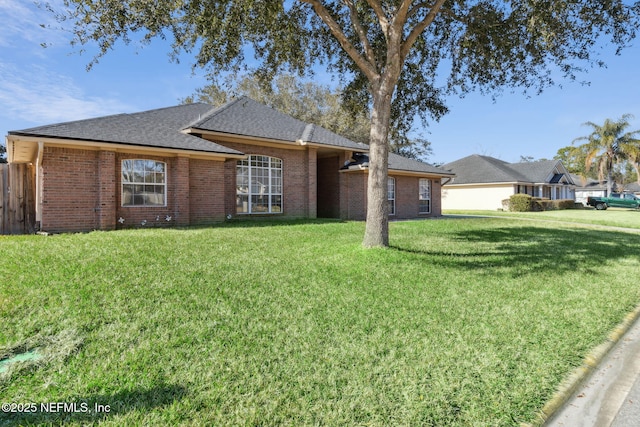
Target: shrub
[[520, 203], [527, 203]]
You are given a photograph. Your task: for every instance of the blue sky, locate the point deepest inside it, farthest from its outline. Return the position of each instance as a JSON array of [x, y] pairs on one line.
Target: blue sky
[[48, 85]]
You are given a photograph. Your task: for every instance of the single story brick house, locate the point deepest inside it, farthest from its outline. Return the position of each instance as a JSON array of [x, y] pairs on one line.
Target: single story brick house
[[483, 182], [195, 164]]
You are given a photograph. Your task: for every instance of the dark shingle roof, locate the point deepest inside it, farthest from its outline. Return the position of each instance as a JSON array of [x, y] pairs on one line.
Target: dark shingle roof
[[485, 169], [154, 128], [400, 163], [244, 116]]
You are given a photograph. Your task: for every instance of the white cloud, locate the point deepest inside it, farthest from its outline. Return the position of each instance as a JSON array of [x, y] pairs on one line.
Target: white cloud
[[38, 95], [24, 22]]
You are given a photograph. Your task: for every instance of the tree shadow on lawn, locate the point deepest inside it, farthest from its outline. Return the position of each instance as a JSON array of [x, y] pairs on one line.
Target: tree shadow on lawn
[[91, 409], [530, 250]]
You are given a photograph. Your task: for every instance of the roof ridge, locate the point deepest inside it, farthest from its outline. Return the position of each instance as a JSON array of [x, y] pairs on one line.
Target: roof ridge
[[307, 133], [214, 111]]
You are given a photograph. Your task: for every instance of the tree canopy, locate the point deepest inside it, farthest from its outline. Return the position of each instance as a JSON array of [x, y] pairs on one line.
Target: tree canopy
[[3, 154], [397, 58]]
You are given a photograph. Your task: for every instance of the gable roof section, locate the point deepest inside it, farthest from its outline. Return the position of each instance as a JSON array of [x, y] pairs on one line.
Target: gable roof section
[[153, 128], [481, 169], [246, 117], [477, 169], [400, 163]]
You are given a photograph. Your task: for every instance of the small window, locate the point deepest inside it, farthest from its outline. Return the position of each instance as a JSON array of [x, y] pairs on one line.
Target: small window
[[424, 196], [259, 185], [391, 195], [144, 183]]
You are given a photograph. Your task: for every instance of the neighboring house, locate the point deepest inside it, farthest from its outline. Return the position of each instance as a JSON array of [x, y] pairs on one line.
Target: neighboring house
[[588, 187], [483, 182], [633, 187], [195, 164]]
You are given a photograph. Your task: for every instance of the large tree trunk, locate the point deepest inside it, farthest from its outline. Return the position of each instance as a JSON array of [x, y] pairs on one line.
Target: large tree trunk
[[377, 227]]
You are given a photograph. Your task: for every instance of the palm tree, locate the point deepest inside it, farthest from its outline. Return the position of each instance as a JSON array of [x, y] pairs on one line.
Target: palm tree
[[609, 145]]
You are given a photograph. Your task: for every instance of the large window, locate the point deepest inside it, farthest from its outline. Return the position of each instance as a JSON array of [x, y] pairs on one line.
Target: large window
[[391, 195], [424, 196], [259, 185], [144, 183]]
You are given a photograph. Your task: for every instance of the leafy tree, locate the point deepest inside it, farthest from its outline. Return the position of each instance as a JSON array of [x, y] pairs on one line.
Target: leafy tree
[[3, 154], [397, 58], [608, 146], [574, 158]]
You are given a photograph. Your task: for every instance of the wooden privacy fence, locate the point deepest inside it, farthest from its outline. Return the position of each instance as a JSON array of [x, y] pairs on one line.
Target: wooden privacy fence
[[17, 199]]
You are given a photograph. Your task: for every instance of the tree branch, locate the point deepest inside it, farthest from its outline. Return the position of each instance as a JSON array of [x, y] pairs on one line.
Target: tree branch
[[419, 28], [368, 69], [382, 17], [362, 35]]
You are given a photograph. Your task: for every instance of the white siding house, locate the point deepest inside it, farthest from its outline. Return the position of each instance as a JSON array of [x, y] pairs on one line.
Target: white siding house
[[483, 182]]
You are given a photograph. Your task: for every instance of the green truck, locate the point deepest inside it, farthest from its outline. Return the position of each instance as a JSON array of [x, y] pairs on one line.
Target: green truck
[[624, 200]]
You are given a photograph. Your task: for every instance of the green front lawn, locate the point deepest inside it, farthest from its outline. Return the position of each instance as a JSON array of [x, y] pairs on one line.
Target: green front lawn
[[462, 322], [612, 217]]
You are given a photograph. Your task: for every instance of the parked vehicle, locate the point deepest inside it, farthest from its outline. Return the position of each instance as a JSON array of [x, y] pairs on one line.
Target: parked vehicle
[[615, 201]]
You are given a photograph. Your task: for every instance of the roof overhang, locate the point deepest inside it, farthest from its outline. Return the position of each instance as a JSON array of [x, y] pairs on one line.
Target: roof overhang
[[398, 172], [299, 144], [24, 148]]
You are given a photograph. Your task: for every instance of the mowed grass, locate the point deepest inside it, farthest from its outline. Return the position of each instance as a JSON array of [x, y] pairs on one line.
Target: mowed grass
[[462, 322], [612, 217]]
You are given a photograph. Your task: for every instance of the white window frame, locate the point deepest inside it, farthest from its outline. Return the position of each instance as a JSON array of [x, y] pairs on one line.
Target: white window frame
[[143, 173], [256, 174], [391, 195], [424, 195]]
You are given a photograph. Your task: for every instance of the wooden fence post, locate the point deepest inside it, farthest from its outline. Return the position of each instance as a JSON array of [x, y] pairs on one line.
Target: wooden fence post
[[17, 199]]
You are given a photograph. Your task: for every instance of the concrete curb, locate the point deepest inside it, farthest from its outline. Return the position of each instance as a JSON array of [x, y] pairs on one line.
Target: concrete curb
[[580, 374]]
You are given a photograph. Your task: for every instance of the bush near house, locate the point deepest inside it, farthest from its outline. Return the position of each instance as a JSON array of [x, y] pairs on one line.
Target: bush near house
[[527, 203], [520, 203]]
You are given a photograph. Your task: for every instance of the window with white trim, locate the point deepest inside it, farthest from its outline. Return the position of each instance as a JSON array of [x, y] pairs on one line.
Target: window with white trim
[[391, 195], [424, 203], [259, 185], [144, 183]]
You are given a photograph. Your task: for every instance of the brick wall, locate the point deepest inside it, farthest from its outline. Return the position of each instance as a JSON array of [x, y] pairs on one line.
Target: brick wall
[[207, 193], [406, 197], [353, 194], [70, 192], [82, 191], [106, 190], [436, 197]]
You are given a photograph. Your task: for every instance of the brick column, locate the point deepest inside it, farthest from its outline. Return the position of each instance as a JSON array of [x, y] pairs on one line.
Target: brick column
[[106, 190], [312, 174], [180, 187], [343, 179]]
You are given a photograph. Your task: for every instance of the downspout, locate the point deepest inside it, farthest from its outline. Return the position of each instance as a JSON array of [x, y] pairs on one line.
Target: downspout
[[39, 182]]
